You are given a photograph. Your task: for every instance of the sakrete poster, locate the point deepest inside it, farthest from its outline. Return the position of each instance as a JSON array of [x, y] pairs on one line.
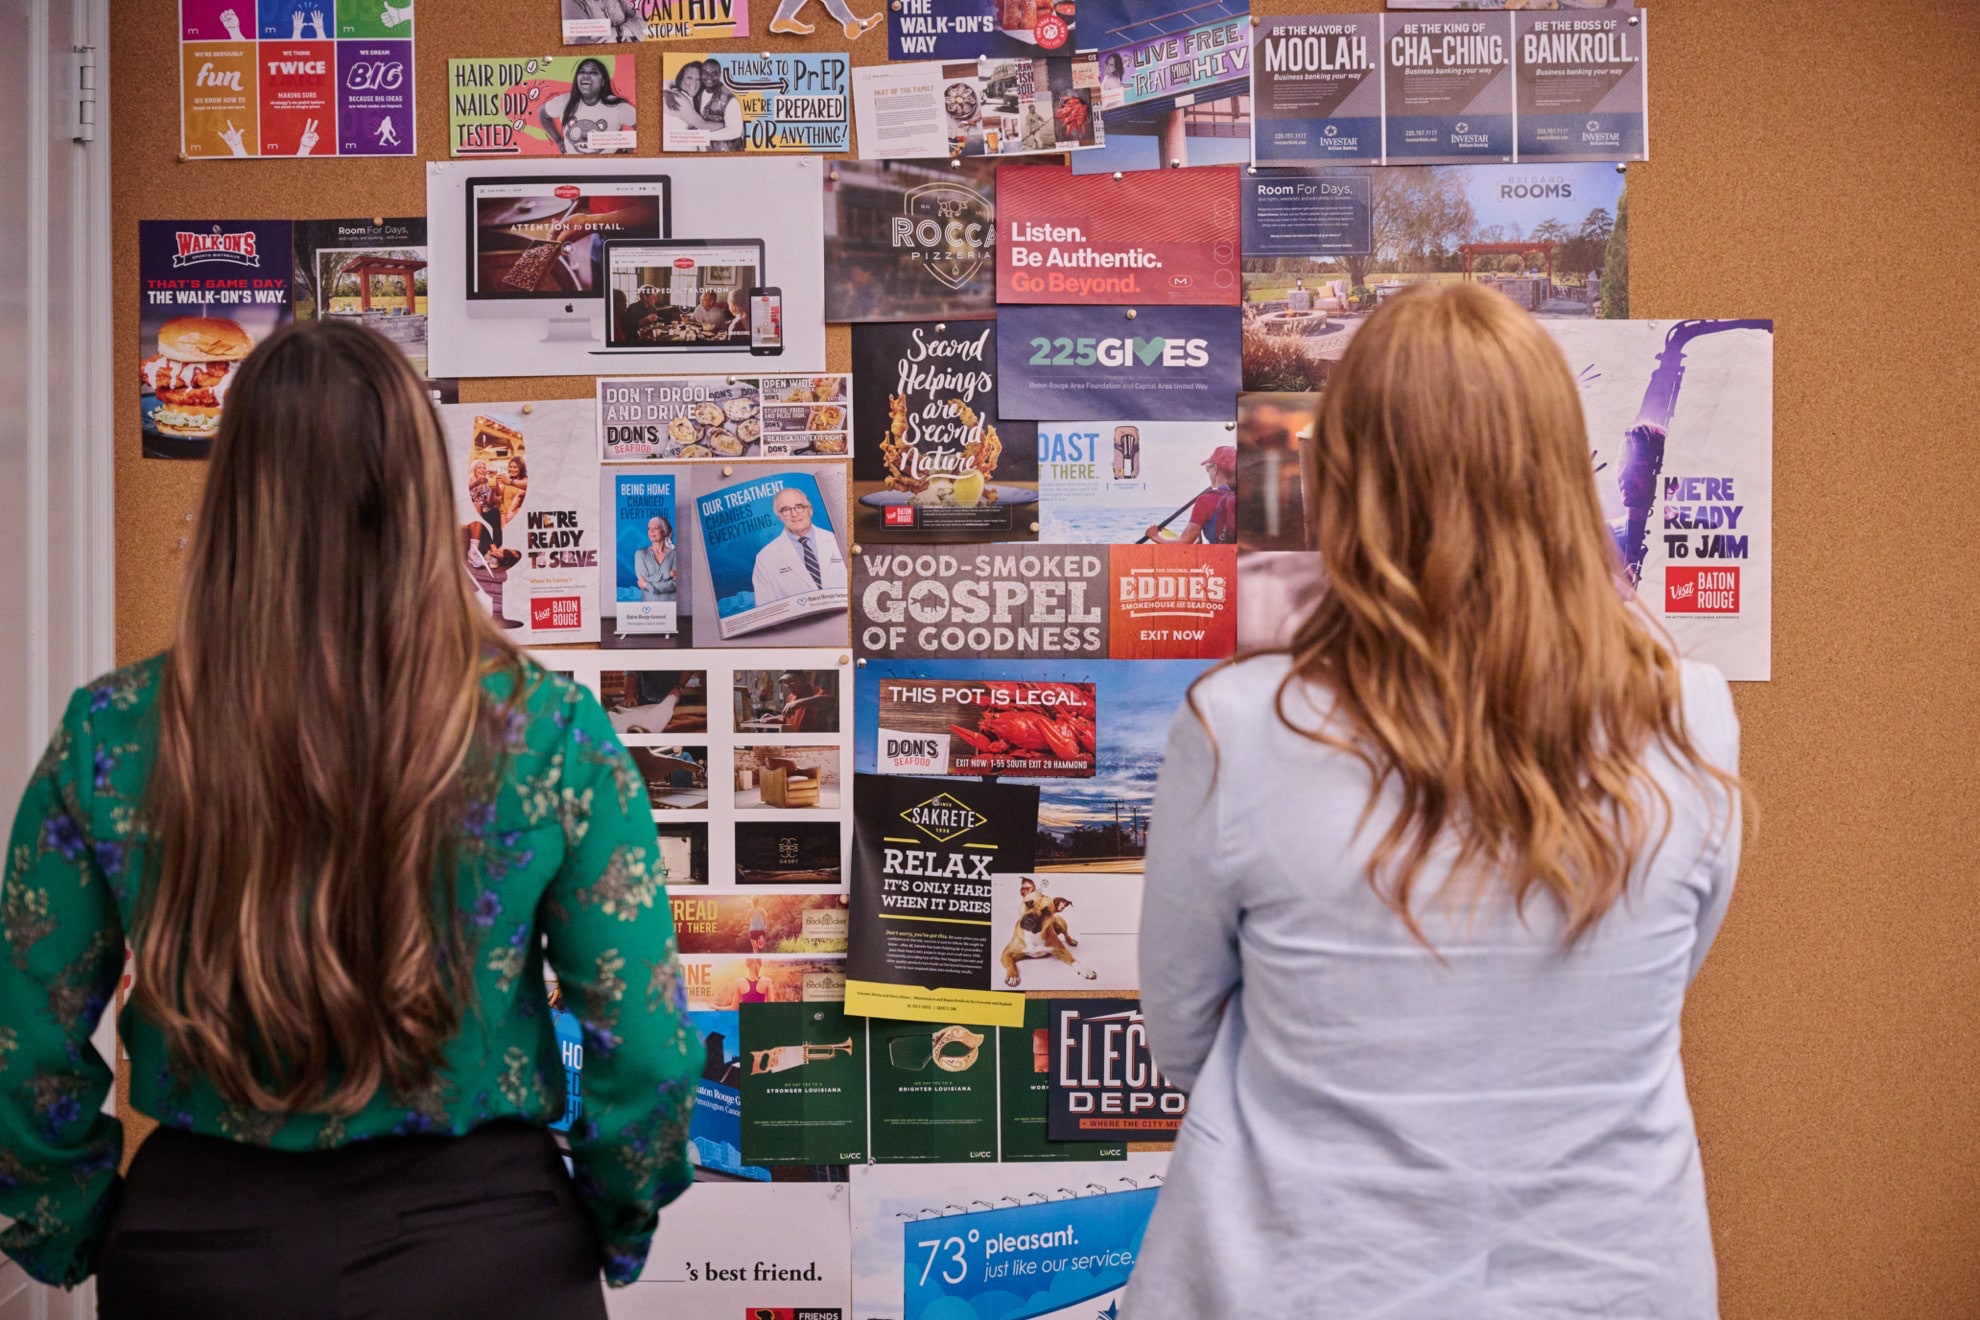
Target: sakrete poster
[[936, 462], [565, 105], [925, 856], [910, 240], [1075, 363], [1158, 238], [1104, 1085]]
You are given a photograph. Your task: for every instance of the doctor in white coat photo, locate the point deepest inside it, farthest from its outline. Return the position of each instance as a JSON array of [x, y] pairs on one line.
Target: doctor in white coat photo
[[803, 557]]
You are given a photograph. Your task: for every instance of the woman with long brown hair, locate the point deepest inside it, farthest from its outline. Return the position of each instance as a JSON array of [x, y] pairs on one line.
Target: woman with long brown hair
[[343, 824], [1425, 887]]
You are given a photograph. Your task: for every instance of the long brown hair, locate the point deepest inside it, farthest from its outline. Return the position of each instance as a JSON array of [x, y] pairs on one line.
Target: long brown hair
[[320, 714], [1473, 630]]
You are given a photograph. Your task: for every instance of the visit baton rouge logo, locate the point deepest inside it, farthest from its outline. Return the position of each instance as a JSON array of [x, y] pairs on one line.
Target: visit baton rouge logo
[[948, 227], [944, 817], [235, 248]]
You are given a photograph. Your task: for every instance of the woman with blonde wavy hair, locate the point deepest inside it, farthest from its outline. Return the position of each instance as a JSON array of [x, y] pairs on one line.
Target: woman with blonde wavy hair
[[1426, 886], [344, 825]]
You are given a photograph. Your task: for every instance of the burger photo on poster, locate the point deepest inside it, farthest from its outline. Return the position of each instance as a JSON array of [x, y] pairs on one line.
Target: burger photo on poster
[[189, 374]]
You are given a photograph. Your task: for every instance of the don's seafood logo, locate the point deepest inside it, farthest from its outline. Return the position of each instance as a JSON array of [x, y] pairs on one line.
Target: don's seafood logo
[[235, 248], [944, 817], [947, 227]]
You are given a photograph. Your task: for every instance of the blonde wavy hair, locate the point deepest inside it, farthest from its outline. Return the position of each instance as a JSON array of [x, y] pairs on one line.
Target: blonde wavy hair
[[1476, 633]]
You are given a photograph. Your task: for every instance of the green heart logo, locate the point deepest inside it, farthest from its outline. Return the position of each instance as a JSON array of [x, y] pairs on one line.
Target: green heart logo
[[1148, 350]]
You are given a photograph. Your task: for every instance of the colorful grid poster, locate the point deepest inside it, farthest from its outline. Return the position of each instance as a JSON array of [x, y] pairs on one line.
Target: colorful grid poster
[[295, 78]]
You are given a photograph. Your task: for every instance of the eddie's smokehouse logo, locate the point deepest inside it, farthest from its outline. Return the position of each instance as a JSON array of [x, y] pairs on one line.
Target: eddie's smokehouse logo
[[1200, 592], [944, 817], [237, 248], [949, 228]]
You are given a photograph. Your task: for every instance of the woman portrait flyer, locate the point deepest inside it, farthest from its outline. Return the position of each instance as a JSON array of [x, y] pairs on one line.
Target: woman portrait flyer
[[561, 106]]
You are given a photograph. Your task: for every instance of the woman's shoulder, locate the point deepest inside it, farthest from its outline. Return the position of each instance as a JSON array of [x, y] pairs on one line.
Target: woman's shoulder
[[125, 693], [1709, 717], [1241, 692]]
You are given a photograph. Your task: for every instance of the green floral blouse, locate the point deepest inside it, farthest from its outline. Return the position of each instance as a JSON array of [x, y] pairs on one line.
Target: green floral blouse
[[566, 850]]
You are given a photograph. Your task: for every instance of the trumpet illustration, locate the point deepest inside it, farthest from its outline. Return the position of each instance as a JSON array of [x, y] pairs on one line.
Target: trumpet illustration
[[783, 1058]]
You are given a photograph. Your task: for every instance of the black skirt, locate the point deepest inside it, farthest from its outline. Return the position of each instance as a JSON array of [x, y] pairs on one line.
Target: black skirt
[[485, 1225]]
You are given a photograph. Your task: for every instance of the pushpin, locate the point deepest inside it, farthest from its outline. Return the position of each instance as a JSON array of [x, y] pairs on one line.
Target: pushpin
[[858, 551], [728, 470], [833, 176], [1230, 426], [1174, 163], [528, 408], [1117, 176], [941, 327], [859, 664], [844, 659], [1130, 313]]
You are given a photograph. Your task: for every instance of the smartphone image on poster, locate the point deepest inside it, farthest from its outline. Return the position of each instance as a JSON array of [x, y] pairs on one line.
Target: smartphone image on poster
[[766, 321]]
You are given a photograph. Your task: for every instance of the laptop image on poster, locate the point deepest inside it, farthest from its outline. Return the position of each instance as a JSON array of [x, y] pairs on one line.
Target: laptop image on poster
[[689, 295]]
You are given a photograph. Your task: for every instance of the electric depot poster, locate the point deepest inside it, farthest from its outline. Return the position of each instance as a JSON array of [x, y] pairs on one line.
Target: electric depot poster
[[926, 854], [1103, 1084]]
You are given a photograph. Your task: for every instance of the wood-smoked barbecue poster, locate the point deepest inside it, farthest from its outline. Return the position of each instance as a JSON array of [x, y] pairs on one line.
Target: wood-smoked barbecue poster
[[926, 854]]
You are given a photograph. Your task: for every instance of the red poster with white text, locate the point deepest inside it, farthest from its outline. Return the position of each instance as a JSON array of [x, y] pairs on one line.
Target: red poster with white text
[[298, 98], [1172, 602], [1167, 237]]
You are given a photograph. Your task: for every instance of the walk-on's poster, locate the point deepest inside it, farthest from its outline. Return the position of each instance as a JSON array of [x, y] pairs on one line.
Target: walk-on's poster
[[1447, 89], [564, 105], [932, 1092], [598, 22], [528, 512], [295, 78], [773, 555], [755, 103], [1104, 1085], [1680, 428], [974, 29], [1317, 84], [1582, 88], [935, 462], [213, 289], [1167, 238], [926, 853], [910, 240], [1002, 107], [1178, 364]]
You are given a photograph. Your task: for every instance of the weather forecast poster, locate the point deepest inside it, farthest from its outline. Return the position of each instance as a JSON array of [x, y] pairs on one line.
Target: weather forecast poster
[[1102, 363], [212, 290], [910, 240], [936, 461], [295, 78], [1309, 213], [1448, 89], [590, 23], [562, 106], [1583, 89], [1317, 88], [925, 856], [1156, 238], [969, 29], [1103, 1083], [755, 104], [1680, 429], [1028, 728]]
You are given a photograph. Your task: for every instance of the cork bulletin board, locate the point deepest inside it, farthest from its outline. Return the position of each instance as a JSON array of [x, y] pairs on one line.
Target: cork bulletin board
[[1810, 161]]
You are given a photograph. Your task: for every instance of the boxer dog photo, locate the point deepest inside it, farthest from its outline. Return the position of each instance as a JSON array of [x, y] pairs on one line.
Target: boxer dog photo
[[1041, 932]]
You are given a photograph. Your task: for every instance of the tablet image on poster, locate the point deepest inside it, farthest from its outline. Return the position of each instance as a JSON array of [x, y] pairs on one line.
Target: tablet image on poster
[[1104, 1083], [528, 259], [910, 240], [926, 855], [1167, 238], [1317, 84], [1176, 364], [773, 556], [935, 461], [599, 22], [933, 1092], [756, 104], [529, 514], [566, 105], [212, 290], [980, 29]]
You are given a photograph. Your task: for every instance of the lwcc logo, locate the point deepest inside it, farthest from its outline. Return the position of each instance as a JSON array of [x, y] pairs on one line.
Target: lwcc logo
[[948, 227]]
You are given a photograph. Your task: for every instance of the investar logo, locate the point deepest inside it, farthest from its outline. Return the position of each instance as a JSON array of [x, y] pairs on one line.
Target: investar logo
[[1134, 352]]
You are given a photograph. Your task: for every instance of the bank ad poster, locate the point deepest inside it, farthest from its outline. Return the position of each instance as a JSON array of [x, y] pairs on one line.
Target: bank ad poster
[[564, 105], [603, 22], [212, 290], [932, 1092], [1103, 1084], [936, 461], [1680, 429], [1582, 84], [1169, 238], [717, 418], [1317, 89], [1135, 363], [910, 240], [747, 1251], [1447, 87], [978, 29], [756, 104], [1003, 1240], [528, 511], [773, 556], [997, 108], [1024, 1067], [926, 853], [295, 78], [371, 270], [1176, 66], [1165, 601]]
